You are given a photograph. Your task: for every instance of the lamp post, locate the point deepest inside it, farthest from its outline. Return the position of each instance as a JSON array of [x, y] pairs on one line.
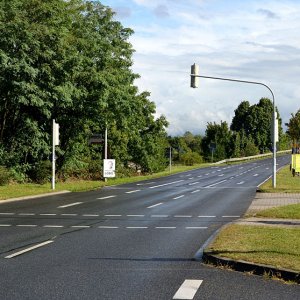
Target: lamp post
[[195, 84]]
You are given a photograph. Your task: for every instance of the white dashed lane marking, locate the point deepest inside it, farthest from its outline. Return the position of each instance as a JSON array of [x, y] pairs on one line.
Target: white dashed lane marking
[[196, 191], [28, 249], [155, 205], [107, 197], [188, 289], [69, 205], [131, 192], [160, 185], [181, 196]]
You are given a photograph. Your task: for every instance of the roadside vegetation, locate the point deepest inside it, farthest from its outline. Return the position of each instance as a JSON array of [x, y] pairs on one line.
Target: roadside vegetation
[[279, 247], [274, 246], [15, 190], [72, 61], [286, 183]]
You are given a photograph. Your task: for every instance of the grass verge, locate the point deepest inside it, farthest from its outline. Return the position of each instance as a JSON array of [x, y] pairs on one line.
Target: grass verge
[[286, 183], [22, 190], [278, 247], [291, 211]]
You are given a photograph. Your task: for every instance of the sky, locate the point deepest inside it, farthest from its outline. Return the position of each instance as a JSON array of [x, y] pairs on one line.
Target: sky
[[255, 40]]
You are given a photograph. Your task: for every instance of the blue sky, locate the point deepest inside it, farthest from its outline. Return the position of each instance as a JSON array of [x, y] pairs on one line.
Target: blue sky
[[252, 40]]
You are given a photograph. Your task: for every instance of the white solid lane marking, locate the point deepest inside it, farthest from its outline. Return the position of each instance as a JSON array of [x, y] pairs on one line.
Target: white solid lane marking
[[196, 191], [29, 249], [159, 216], [188, 289], [178, 197], [155, 205], [107, 197], [68, 205], [53, 226], [156, 186], [135, 191], [242, 182]]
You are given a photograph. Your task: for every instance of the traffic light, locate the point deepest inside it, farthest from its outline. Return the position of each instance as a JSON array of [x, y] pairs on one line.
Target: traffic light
[[194, 79]]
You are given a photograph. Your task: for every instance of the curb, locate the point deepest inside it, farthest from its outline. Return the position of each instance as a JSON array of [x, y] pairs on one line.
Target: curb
[[32, 197], [257, 269]]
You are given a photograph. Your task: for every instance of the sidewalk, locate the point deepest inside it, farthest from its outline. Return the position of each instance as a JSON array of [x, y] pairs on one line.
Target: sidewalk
[[260, 202]]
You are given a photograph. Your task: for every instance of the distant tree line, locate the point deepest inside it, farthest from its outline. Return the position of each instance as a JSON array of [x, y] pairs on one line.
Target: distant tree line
[[248, 134]]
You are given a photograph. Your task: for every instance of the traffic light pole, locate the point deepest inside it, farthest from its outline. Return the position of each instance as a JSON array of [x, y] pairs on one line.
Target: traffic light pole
[[194, 84]]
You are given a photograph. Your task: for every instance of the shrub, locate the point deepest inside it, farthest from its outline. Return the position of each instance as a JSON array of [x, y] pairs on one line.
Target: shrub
[[4, 175], [41, 172], [191, 158]]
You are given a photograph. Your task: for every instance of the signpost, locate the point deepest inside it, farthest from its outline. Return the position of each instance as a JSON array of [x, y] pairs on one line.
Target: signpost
[[109, 168]]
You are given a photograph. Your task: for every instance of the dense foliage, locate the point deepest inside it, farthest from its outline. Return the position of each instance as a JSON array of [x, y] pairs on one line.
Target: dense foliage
[[71, 61], [294, 128]]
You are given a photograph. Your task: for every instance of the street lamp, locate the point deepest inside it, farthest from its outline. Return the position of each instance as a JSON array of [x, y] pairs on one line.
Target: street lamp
[[195, 84]]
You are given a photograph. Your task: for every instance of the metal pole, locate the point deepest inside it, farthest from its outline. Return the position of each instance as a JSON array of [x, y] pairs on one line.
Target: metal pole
[[274, 114], [53, 157], [105, 148], [170, 158], [105, 144]]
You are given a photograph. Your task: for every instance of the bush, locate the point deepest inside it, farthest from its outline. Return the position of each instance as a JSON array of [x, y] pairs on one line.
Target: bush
[[41, 172], [4, 176], [191, 158]]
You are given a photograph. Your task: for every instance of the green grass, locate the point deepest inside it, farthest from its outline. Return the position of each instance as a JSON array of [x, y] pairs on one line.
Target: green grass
[[279, 247], [286, 183], [291, 211], [21, 190]]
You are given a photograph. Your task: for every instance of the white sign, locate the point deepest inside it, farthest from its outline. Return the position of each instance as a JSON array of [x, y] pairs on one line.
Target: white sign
[[109, 166]]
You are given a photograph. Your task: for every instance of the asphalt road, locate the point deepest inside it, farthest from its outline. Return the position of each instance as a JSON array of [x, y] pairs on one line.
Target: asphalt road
[[134, 241]]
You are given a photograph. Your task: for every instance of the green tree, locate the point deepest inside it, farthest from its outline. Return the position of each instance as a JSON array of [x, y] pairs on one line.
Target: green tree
[[70, 60], [294, 127], [255, 122], [220, 135]]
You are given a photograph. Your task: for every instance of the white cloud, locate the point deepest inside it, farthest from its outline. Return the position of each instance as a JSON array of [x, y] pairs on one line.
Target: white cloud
[[251, 40]]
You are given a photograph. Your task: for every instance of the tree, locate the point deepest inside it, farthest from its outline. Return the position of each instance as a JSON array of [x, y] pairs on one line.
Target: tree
[[294, 127], [255, 122], [220, 135], [70, 60]]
